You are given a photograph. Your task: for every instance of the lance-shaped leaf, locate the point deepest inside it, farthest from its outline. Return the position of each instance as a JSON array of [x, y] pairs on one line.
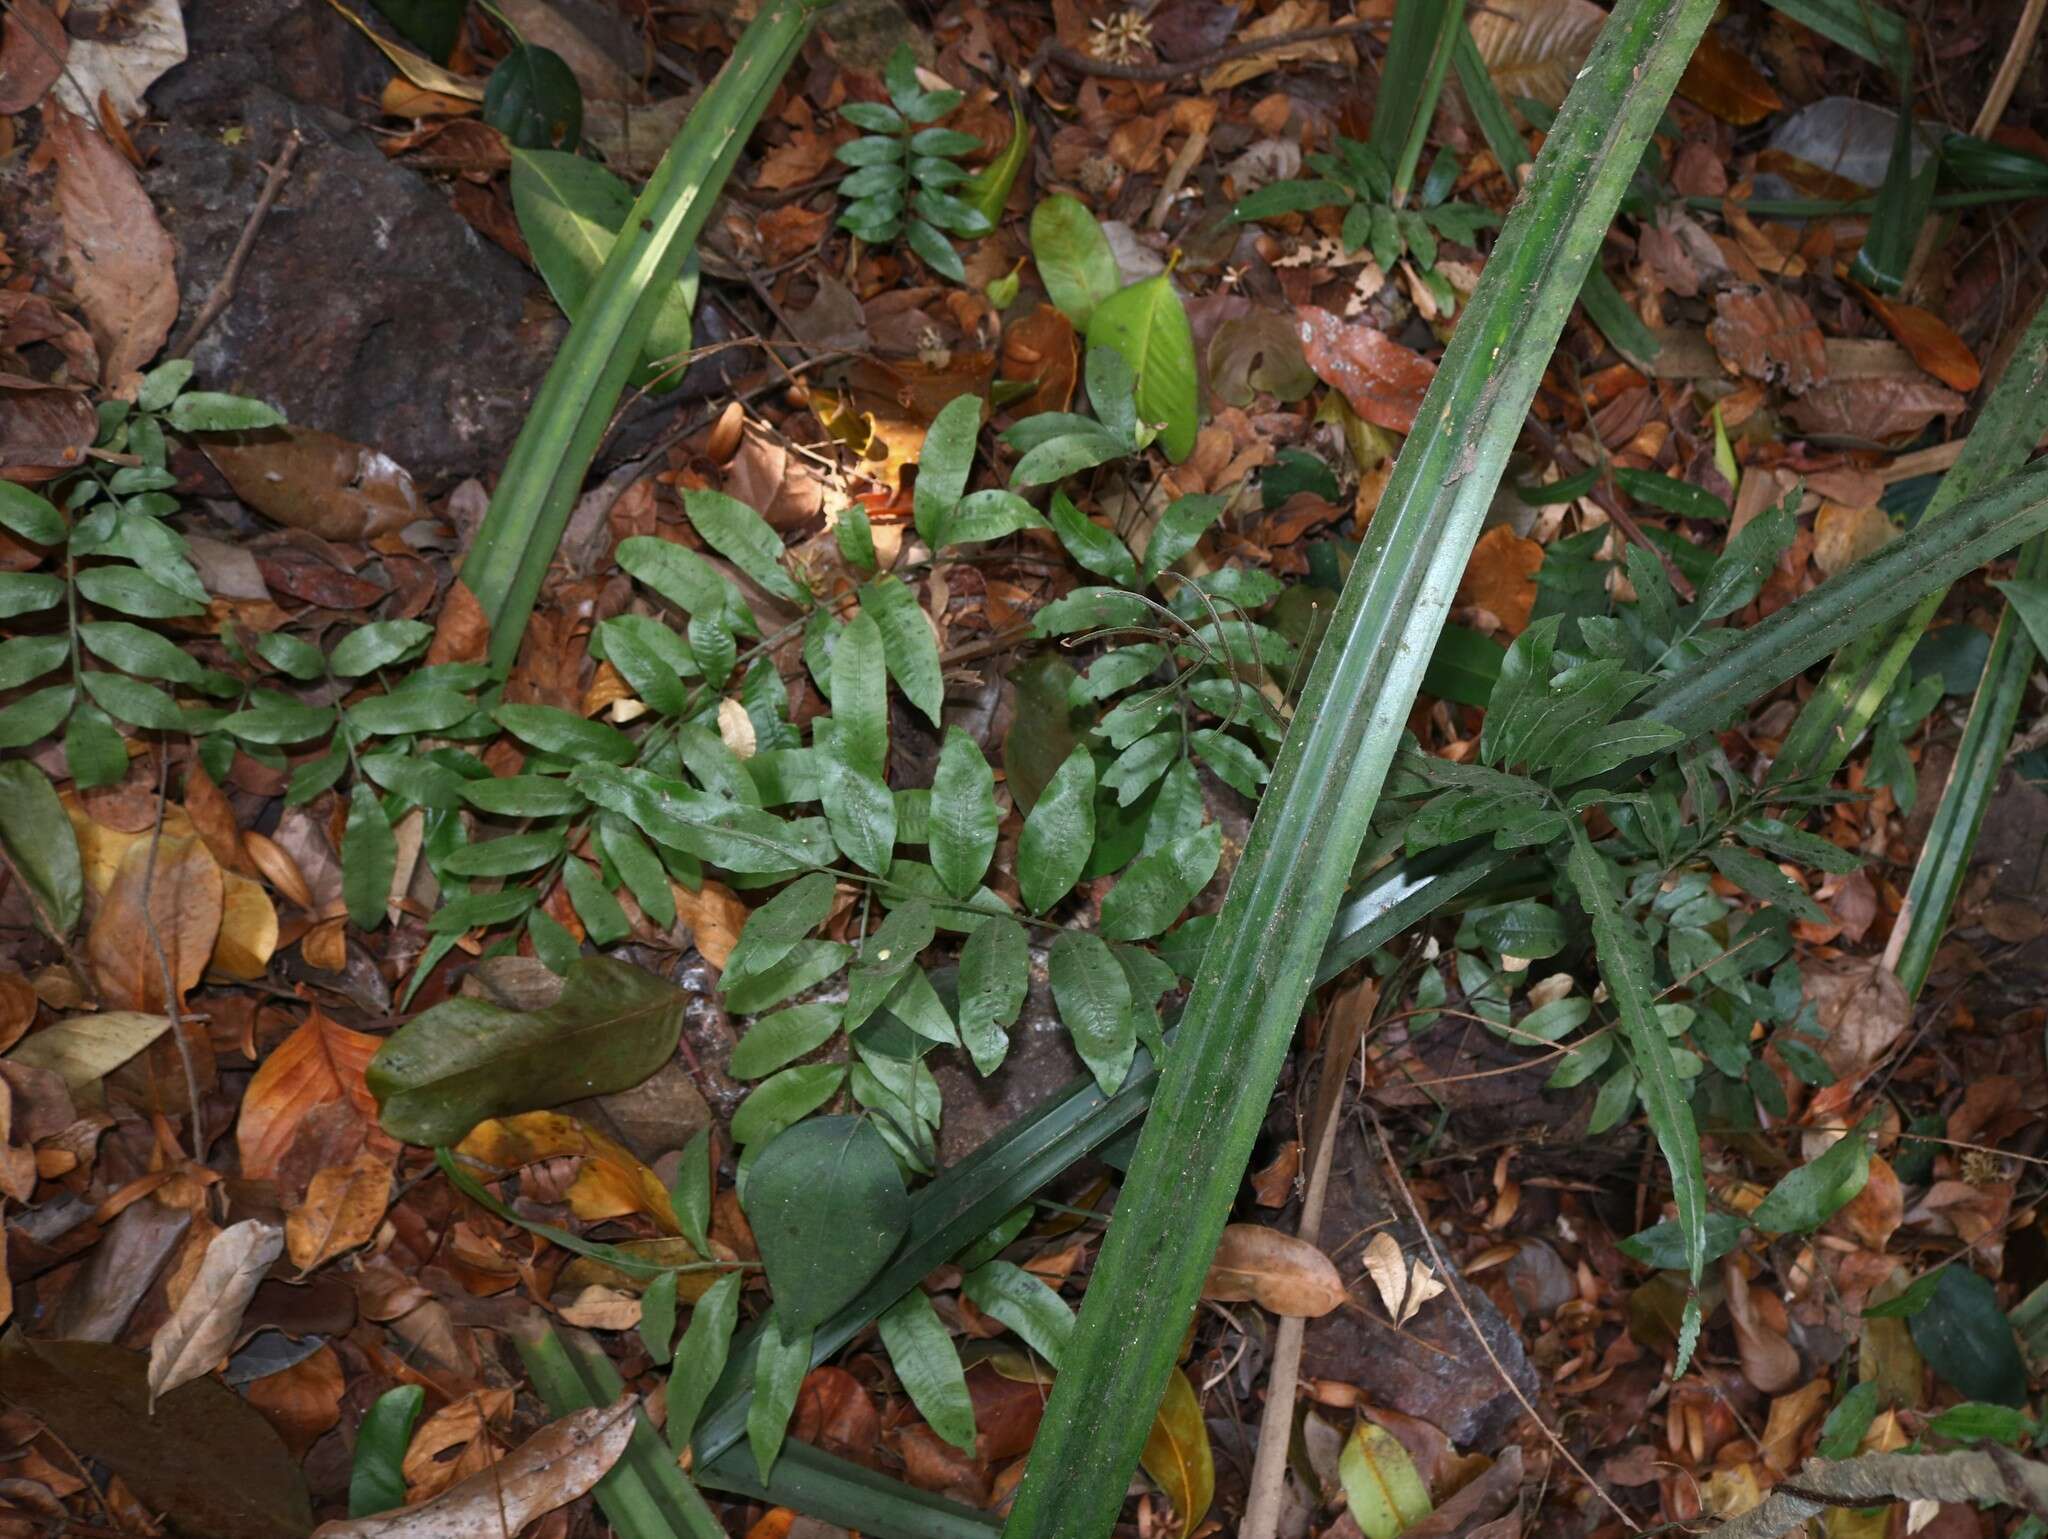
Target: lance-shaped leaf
[[1249, 989], [446, 1070]]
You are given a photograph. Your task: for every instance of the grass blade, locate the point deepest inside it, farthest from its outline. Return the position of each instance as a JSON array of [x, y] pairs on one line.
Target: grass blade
[[1332, 765], [545, 470], [1980, 757], [839, 1491], [1863, 672]]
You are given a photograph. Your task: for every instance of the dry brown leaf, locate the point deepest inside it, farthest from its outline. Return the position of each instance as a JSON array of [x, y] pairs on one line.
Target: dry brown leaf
[[1534, 48], [1790, 1416], [1874, 1213], [343, 1207], [550, 1469], [463, 1425], [1404, 1284], [186, 897], [120, 259], [31, 55], [610, 1182], [1720, 78], [598, 1308], [1928, 338], [311, 480], [1769, 1361], [303, 1402], [1770, 335], [462, 632], [320, 1062], [1874, 409], [715, 916], [1277, 1271], [1860, 1005], [1500, 577], [1384, 381], [214, 818], [278, 868], [1844, 536], [18, 1006], [1288, 16], [202, 1329]]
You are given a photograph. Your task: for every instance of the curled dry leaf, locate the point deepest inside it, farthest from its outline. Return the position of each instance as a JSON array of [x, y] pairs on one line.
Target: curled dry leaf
[[1178, 1456], [610, 1182], [278, 868], [124, 64], [321, 1062], [202, 1329], [1404, 1284], [343, 1207], [119, 258], [133, 946], [1383, 381], [32, 53], [550, 1469], [1276, 1271], [315, 481], [1721, 79], [1534, 48]]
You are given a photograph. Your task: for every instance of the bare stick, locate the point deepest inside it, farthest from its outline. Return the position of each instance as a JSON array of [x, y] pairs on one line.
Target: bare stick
[[163, 960], [224, 290]]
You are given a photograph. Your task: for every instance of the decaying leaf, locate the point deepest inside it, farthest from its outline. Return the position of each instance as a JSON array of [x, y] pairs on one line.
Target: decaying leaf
[[315, 481], [1177, 1455], [1500, 577], [203, 1327], [1768, 334], [87, 1047], [1383, 381], [1843, 536], [550, 1469], [715, 916], [1274, 1270], [32, 51], [159, 918], [118, 257], [321, 1062], [1534, 48], [1404, 1284], [609, 1183], [1861, 1006], [1876, 409], [343, 1207]]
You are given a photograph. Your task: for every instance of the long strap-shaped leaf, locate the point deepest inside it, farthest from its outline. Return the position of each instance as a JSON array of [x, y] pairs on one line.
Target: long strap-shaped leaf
[[1863, 672], [1972, 778], [1249, 990], [545, 471]]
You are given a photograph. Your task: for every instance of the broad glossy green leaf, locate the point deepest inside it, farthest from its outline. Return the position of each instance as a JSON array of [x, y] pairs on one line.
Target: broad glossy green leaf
[[369, 856], [571, 209], [828, 1209], [376, 1481], [35, 716], [728, 834], [701, 1355], [743, 537], [782, 1038], [781, 1360], [995, 976], [1808, 1197], [449, 1068], [131, 700], [1967, 1339], [604, 921], [926, 1361], [1148, 325], [1151, 894], [1025, 1304], [777, 925], [675, 572], [1096, 548], [40, 844], [559, 732], [909, 646], [1073, 257], [94, 751], [532, 98], [1093, 995], [785, 1099], [963, 815], [378, 645], [126, 590], [1058, 833]]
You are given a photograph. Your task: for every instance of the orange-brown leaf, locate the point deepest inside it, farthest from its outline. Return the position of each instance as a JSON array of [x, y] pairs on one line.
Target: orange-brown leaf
[[343, 1207], [1384, 381], [1721, 79], [1500, 577], [1284, 1274], [185, 901], [118, 256], [1928, 338], [320, 1062]]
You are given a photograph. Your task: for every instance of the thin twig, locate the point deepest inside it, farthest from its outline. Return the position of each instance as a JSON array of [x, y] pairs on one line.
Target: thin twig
[[1056, 52], [163, 960], [1452, 1283], [224, 290]]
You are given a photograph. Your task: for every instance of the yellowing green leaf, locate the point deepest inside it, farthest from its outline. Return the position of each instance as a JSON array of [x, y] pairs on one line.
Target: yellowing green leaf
[[1177, 1455], [1148, 325], [1381, 1484]]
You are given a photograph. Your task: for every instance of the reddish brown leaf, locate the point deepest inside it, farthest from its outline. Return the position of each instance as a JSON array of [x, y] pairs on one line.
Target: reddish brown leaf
[[1383, 381], [119, 258], [215, 819], [319, 1063], [1768, 334], [43, 433], [315, 481], [462, 632], [31, 55], [185, 902], [1040, 348], [1879, 407], [1500, 577], [303, 1401], [835, 1414], [1721, 79]]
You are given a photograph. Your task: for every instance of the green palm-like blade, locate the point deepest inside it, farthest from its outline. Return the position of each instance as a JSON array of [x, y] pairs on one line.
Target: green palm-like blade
[[1250, 987], [545, 470], [1863, 672]]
